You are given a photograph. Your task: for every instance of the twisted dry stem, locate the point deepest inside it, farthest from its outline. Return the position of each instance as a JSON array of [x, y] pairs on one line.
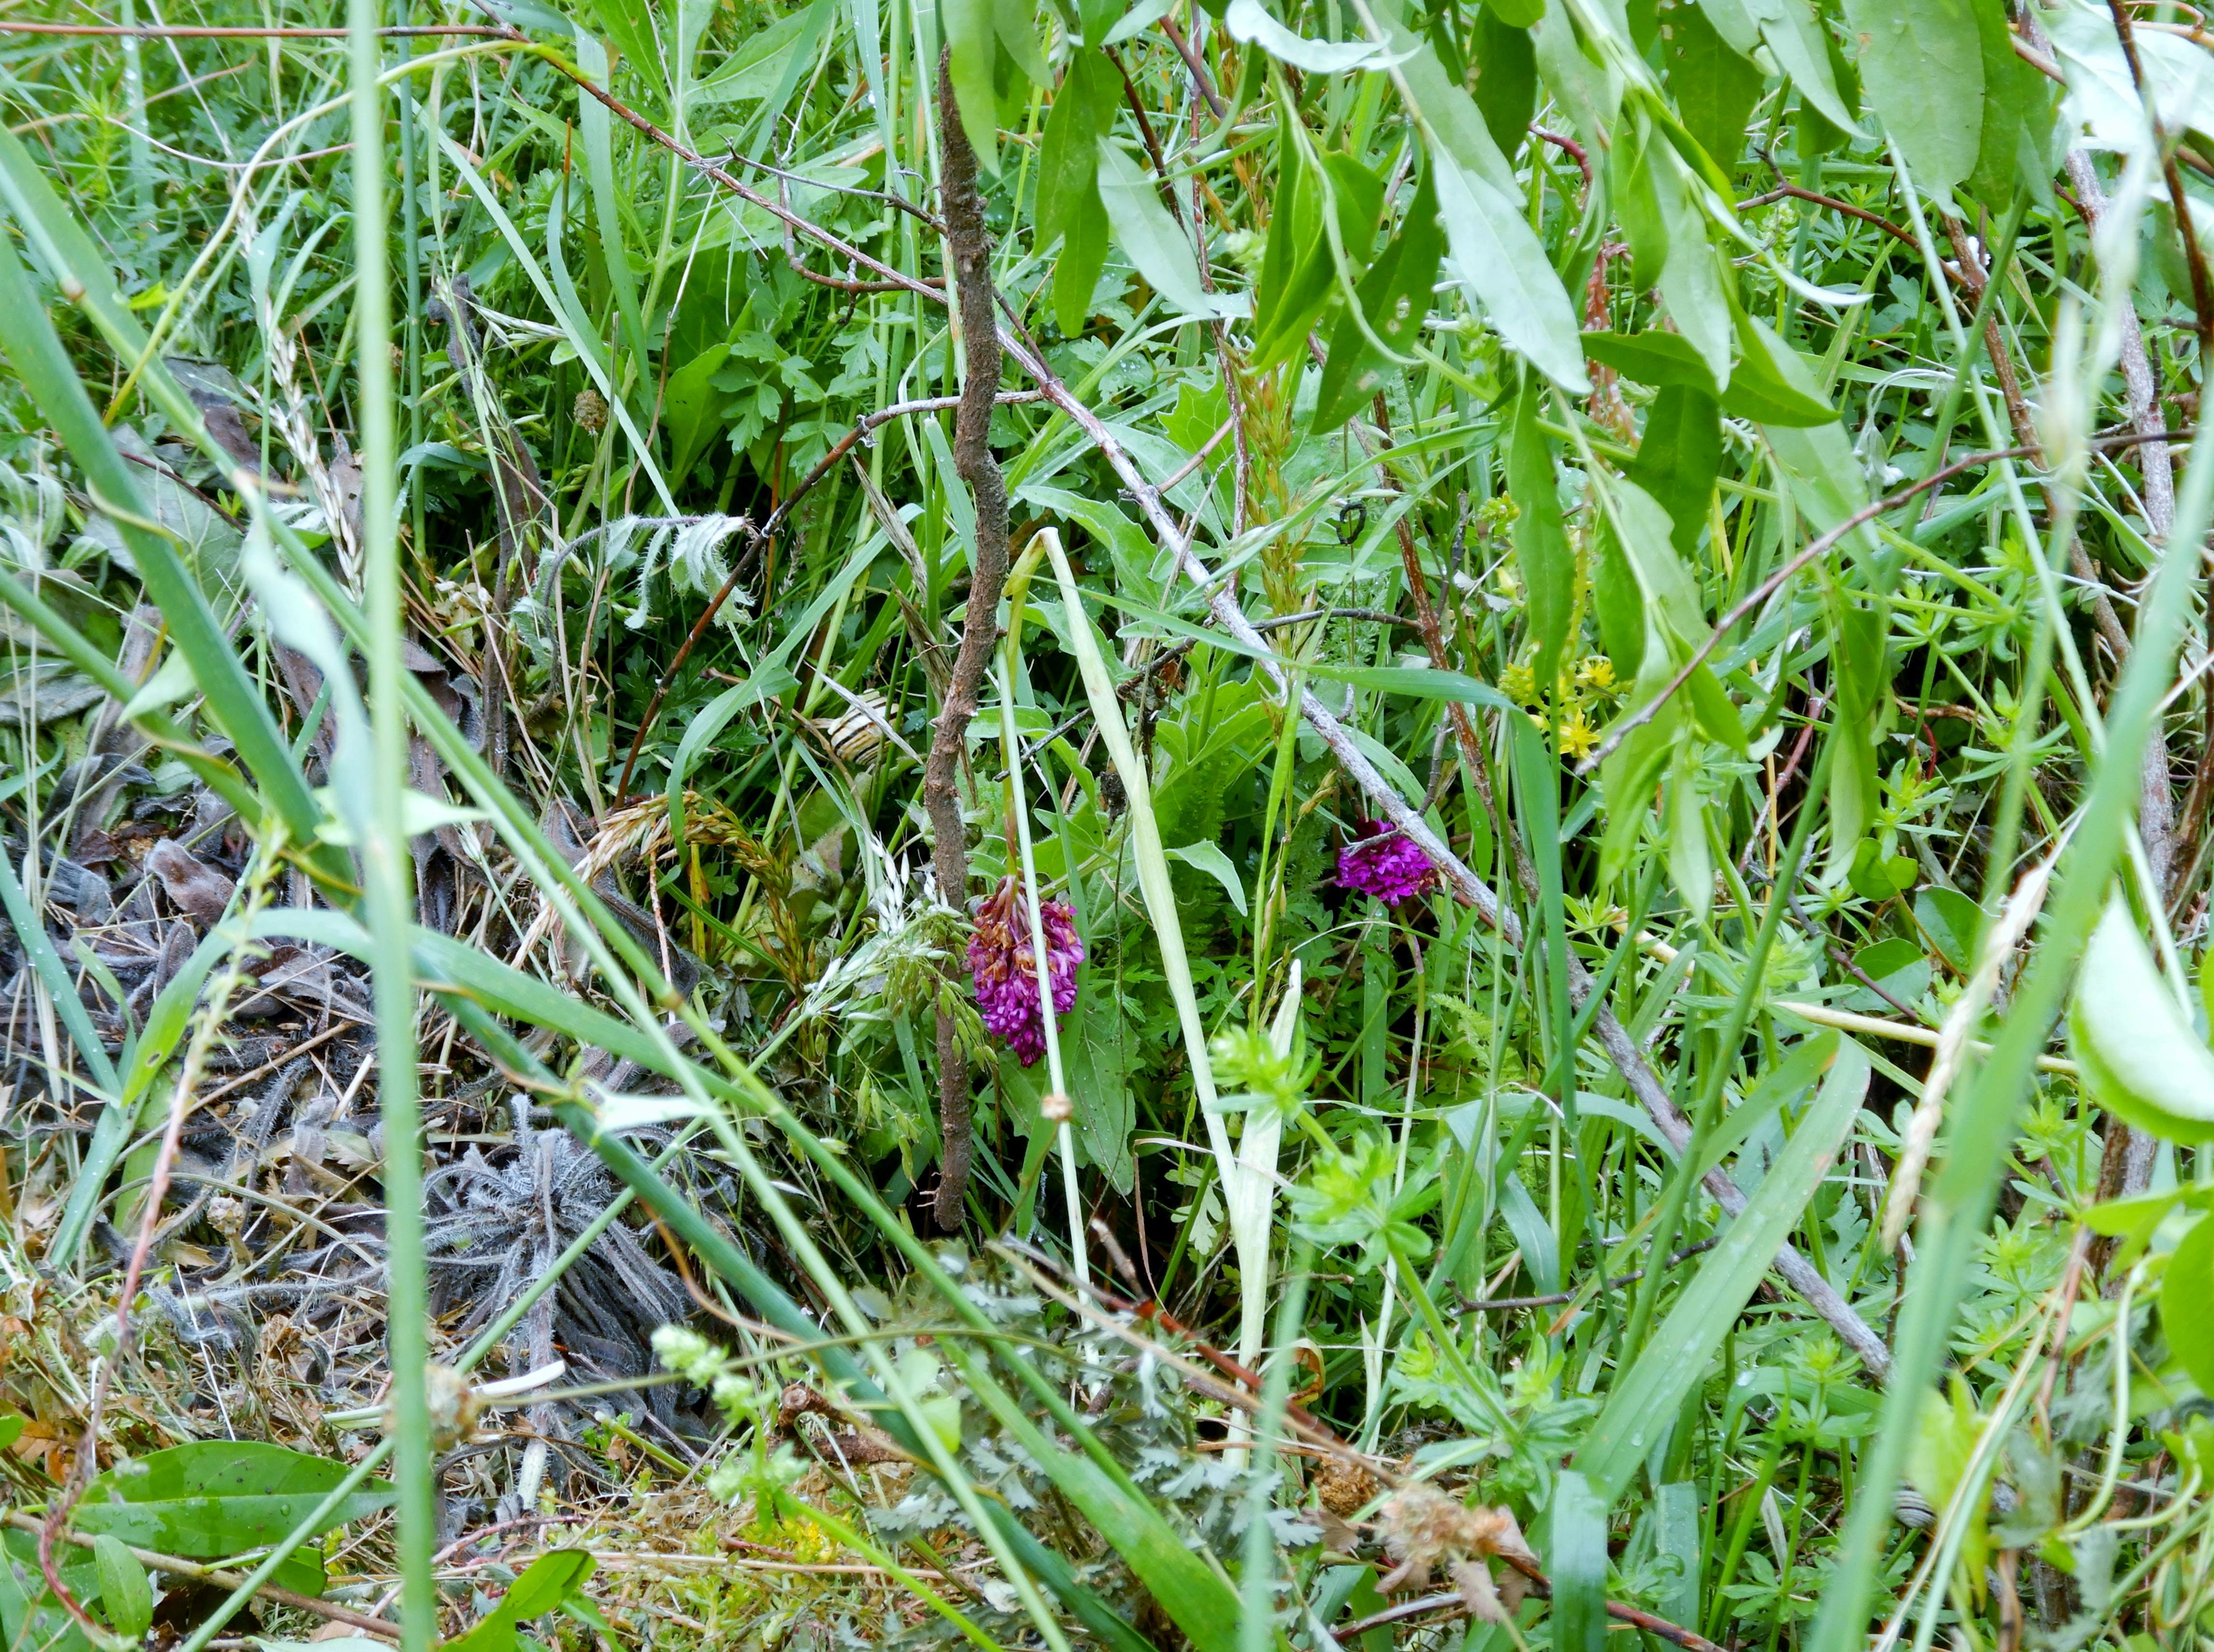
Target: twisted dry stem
[[969, 252]]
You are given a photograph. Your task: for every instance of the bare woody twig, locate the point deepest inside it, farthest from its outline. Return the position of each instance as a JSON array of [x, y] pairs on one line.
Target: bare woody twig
[[969, 254]]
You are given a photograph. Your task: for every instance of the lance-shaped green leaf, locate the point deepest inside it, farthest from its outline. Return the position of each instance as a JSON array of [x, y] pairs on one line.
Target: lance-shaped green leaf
[[1394, 301], [2186, 1290], [1160, 249], [1541, 540], [971, 42], [1495, 252]]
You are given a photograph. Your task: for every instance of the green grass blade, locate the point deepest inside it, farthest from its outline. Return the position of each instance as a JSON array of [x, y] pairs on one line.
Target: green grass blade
[[234, 700], [1645, 1399]]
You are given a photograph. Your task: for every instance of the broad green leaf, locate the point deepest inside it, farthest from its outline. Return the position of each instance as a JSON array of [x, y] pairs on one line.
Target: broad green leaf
[[1068, 159], [1248, 20], [1645, 1399], [2017, 125], [1677, 460], [31, 1618], [1637, 204], [1352, 195], [629, 29], [1940, 1458], [1495, 254], [1505, 66], [125, 1596], [218, 1498], [1100, 1045], [1793, 33], [1771, 385], [1082, 256], [1679, 1508], [2186, 1291], [2134, 1220], [1655, 358], [1858, 672], [1012, 22], [1714, 87], [691, 408], [972, 44], [1541, 541], [1155, 243], [1923, 68], [1952, 922], [545, 1583], [1694, 282], [1576, 1555], [2142, 1061], [1209, 858]]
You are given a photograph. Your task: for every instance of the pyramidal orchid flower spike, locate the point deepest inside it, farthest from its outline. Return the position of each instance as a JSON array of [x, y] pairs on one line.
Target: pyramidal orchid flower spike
[[1000, 959], [1383, 863]]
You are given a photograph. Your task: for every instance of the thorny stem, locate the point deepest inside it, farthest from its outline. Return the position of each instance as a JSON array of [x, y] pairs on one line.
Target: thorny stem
[[970, 252]]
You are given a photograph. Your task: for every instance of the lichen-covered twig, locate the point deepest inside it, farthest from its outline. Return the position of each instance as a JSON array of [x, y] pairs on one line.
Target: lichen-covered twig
[[969, 252]]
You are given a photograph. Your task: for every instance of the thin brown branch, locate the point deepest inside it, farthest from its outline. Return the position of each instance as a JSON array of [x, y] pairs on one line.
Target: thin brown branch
[[1562, 1299], [1199, 75], [968, 251], [1793, 192], [1675, 1634]]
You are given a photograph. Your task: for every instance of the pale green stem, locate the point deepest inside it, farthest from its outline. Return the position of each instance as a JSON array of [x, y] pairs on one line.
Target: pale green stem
[[384, 849]]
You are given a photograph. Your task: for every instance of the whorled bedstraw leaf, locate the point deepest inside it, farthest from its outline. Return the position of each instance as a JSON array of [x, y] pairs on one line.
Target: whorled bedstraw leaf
[[2142, 1061]]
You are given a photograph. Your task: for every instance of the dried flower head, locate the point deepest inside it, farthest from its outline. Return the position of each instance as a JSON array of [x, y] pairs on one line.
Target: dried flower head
[[1421, 1525], [1384, 863], [1000, 958], [590, 411]]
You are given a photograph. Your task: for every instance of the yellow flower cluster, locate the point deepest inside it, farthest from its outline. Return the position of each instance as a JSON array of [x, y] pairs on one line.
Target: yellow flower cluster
[[1591, 684]]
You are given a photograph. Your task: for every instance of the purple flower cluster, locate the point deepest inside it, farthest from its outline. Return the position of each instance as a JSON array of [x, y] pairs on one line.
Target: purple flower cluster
[[1382, 863], [1000, 958]]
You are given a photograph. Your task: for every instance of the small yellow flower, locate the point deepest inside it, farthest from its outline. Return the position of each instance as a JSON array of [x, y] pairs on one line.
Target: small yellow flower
[[1596, 672], [1578, 738], [1519, 684]]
